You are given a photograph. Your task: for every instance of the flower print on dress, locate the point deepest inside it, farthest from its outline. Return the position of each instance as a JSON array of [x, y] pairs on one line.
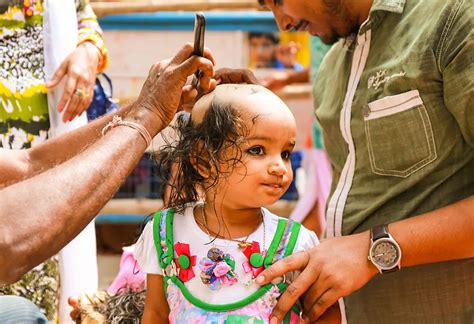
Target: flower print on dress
[[217, 269], [184, 262], [255, 259]]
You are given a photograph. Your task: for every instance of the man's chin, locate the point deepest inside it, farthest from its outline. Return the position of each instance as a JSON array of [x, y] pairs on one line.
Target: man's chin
[[329, 40]]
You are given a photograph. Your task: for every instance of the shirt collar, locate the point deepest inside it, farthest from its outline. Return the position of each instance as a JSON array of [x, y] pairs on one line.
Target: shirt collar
[[395, 6], [379, 9]]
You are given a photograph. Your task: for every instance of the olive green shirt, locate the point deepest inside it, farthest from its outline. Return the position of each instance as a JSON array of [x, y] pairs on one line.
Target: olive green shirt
[[396, 106]]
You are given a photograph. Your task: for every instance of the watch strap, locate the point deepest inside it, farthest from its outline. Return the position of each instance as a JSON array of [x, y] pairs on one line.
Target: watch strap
[[379, 231], [394, 269]]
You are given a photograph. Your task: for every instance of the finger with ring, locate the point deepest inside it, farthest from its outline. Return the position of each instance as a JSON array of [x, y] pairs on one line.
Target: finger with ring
[[81, 93]]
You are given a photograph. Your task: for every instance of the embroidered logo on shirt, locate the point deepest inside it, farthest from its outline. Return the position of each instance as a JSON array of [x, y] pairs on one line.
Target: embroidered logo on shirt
[[375, 81]]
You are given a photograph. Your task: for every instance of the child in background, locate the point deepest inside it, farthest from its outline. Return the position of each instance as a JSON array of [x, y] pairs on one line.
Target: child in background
[[202, 254], [267, 52]]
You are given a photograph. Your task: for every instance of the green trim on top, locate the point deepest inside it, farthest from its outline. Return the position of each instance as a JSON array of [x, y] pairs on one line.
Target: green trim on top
[[157, 238], [275, 243], [169, 214], [295, 231], [169, 236], [221, 307], [164, 259]]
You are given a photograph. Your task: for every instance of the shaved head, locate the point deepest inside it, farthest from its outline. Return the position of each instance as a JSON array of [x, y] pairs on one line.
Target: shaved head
[[243, 97]]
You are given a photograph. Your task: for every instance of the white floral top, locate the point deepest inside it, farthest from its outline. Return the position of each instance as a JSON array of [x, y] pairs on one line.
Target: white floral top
[[217, 273]]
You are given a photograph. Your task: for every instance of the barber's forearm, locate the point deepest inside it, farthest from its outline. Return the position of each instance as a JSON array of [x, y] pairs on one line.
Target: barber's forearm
[[40, 215], [61, 148], [440, 235]]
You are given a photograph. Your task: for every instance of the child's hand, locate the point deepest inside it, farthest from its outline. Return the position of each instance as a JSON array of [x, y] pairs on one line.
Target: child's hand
[[76, 312]]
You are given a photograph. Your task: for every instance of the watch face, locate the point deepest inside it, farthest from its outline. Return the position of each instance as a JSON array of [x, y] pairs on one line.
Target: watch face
[[385, 253]]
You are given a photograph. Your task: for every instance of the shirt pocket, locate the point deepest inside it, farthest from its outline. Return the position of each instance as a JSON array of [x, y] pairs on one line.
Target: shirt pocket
[[399, 135]]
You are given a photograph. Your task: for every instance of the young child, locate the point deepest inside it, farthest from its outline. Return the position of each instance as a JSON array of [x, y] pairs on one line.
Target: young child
[[202, 254]]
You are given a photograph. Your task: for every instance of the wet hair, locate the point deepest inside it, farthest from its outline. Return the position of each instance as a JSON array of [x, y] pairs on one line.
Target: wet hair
[[200, 152], [273, 37]]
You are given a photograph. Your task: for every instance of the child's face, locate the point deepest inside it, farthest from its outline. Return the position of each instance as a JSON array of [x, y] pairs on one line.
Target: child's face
[[262, 51], [265, 172]]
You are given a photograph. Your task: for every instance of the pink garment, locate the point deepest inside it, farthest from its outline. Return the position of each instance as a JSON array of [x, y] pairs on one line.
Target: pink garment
[[318, 176], [129, 276]]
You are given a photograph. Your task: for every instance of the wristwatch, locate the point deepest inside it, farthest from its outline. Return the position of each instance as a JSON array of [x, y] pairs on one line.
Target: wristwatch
[[384, 252]]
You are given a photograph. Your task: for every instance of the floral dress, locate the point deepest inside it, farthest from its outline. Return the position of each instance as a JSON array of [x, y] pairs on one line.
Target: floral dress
[[214, 282], [24, 120]]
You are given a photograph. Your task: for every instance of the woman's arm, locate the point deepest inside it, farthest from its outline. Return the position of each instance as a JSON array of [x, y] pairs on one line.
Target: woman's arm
[[156, 305]]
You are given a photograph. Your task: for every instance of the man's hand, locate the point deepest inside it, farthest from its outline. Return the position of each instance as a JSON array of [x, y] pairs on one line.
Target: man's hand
[[79, 70], [227, 75], [222, 76], [165, 88], [333, 269]]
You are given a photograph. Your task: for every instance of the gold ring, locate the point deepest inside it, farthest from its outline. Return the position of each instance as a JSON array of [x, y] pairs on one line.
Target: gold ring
[[80, 93]]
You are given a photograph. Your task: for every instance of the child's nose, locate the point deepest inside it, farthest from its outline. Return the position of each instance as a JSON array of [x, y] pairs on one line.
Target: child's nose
[[277, 168]]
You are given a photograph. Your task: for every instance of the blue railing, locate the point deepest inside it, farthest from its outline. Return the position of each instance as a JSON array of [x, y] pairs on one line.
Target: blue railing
[[178, 21]]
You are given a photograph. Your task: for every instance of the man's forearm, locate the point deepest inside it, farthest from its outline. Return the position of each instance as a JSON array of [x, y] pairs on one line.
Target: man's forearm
[[23, 164], [61, 148], [40, 215], [440, 235]]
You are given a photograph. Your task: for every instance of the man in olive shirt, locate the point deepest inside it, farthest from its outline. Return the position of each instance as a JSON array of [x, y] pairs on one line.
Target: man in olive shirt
[[394, 97]]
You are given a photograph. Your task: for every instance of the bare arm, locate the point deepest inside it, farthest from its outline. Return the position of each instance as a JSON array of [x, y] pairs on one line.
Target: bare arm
[[40, 215], [339, 266], [156, 305], [23, 164]]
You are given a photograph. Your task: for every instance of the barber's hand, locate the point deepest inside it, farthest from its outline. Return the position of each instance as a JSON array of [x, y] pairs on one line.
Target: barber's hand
[[333, 269], [165, 88], [79, 70]]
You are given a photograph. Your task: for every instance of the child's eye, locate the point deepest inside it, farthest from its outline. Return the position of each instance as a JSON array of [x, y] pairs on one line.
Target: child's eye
[[286, 155], [256, 150]]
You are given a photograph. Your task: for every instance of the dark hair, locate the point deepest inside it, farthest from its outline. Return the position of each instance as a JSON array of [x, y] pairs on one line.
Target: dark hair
[[201, 147], [273, 37]]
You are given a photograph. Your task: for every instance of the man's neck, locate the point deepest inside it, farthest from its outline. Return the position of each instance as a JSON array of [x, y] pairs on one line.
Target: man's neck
[[361, 9]]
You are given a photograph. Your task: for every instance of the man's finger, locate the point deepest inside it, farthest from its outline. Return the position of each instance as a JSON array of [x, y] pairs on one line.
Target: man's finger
[[326, 300], [58, 75], [192, 64], [314, 291], [297, 261], [208, 54], [292, 293], [188, 97], [184, 53]]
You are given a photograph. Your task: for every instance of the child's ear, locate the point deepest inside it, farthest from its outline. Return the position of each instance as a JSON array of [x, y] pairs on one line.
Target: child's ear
[[200, 159]]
